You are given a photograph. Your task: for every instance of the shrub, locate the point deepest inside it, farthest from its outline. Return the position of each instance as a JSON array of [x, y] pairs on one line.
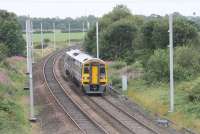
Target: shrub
[[194, 94], [11, 33], [118, 65], [3, 52], [46, 41], [186, 64], [188, 57], [157, 66], [116, 82]]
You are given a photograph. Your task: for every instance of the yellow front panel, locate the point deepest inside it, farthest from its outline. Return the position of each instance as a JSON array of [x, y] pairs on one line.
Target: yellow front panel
[[95, 74]]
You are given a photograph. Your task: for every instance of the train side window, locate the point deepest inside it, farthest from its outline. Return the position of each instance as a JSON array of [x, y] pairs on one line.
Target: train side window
[[86, 69], [102, 70]]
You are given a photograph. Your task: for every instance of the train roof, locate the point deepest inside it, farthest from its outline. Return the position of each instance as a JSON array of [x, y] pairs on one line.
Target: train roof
[[82, 57]]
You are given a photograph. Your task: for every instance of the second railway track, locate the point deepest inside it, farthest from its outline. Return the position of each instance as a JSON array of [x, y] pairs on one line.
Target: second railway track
[[82, 110], [123, 117]]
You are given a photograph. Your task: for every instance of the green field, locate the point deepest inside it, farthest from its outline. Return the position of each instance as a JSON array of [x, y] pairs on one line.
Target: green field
[[59, 37]]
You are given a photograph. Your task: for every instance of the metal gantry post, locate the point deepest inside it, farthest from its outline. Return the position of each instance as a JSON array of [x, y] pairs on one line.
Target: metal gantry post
[[27, 50], [83, 31], [171, 63], [97, 38], [32, 45], [69, 30], [54, 36], [88, 25], [42, 39], [29, 41]]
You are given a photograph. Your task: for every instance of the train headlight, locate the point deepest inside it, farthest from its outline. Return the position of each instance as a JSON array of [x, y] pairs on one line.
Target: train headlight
[[86, 78], [102, 77]]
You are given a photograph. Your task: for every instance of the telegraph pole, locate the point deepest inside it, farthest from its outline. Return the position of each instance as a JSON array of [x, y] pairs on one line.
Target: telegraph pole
[[69, 30], [54, 36], [97, 38], [171, 63], [32, 42], [83, 31], [29, 51], [88, 25], [42, 40]]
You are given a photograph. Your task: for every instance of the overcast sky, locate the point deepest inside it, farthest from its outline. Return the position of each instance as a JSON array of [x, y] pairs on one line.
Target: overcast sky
[[76, 8]]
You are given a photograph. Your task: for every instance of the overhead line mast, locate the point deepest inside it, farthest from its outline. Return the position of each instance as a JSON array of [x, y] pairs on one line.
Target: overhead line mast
[[42, 40], [171, 63], [29, 65], [97, 38]]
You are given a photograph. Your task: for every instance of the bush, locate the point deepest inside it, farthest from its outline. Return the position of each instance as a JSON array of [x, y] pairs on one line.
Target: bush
[[3, 52], [46, 41], [194, 94], [189, 58], [116, 82], [118, 65], [186, 64], [11, 33], [157, 66]]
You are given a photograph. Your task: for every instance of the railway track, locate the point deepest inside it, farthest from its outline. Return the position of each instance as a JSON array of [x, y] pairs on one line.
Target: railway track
[[127, 124], [78, 117], [81, 109], [123, 117]]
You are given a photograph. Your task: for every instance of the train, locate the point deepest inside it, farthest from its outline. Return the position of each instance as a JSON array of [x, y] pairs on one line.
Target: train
[[90, 73]]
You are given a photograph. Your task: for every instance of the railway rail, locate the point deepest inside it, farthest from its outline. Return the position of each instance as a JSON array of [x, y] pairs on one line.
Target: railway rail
[[124, 118], [79, 107], [83, 123]]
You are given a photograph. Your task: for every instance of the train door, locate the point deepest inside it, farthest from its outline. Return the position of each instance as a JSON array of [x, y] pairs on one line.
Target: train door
[[95, 72]]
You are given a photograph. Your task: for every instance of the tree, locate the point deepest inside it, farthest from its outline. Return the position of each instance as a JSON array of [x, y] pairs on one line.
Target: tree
[[184, 32], [155, 32], [3, 51], [62, 24], [186, 64], [118, 41], [11, 34], [117, 33]]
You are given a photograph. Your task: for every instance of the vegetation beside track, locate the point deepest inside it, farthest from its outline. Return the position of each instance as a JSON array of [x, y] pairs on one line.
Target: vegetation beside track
[[141, 43], [154, 97], [14, 103]]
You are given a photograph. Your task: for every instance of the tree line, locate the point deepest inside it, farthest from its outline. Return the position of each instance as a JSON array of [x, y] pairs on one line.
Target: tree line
[[143, 41], [61, 24], [130, 38], [11, 39], [12, 28]]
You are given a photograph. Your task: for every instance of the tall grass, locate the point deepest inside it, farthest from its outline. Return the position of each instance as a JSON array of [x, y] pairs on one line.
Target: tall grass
[[13, 112], [155, 98]]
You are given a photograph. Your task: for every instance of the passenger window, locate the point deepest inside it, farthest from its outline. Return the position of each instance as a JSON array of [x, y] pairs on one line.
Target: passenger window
[[102, 70], [86, 69]]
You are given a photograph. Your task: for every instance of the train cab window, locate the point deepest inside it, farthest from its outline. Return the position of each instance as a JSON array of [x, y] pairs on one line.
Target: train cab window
[[102, 69], [86, 69]]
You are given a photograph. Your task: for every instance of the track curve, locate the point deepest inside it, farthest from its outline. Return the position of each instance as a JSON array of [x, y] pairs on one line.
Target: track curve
[[84, 123]]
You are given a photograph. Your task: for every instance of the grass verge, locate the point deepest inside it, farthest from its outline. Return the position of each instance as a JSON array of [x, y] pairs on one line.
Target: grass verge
[[13, 111], [154, 98]]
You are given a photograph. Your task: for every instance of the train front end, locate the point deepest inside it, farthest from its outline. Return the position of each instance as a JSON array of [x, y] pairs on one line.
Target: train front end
[[94, 76]]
